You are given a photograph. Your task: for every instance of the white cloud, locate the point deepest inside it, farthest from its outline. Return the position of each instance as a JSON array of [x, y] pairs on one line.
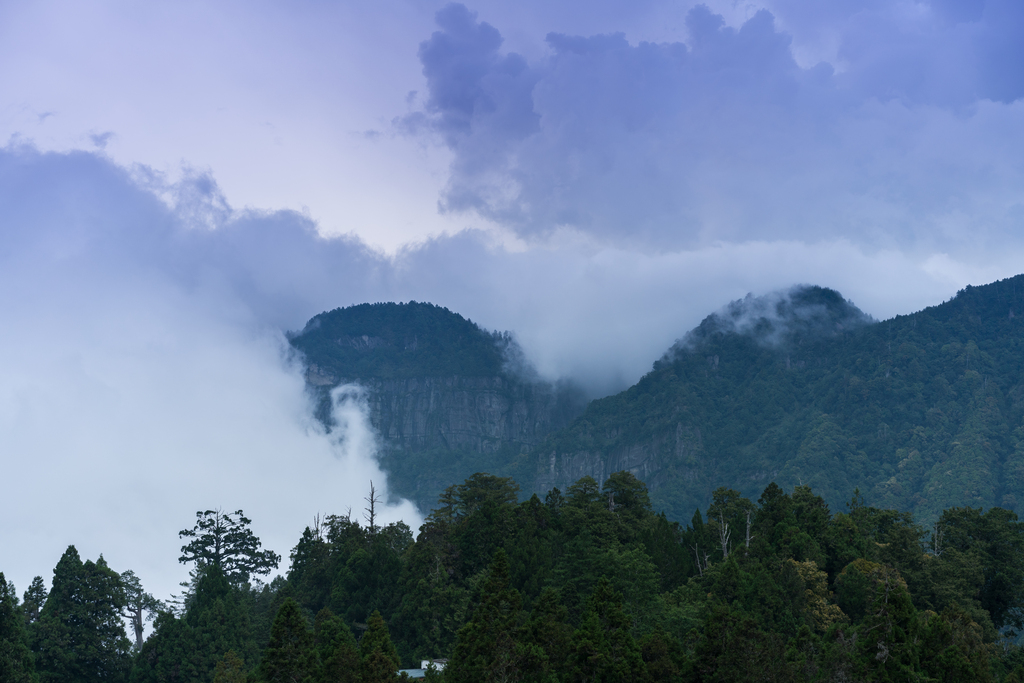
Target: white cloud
[[134, 392]]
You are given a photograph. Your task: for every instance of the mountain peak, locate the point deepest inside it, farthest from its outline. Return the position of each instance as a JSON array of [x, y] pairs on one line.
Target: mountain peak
[[783, 318]]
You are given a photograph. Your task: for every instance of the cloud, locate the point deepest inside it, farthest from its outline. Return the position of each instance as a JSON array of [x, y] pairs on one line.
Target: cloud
[[908, 139], [143, 377], [100, 140]]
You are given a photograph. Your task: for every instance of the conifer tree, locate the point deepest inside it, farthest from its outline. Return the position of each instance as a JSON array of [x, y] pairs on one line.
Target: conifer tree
[[289, 656], [377, 667], [545, 638], [379, 657], [169, 655], [80, 636], [487, 647], [336, 649], [16, 661], [225, 541], [137, 604], [603, 650], [230, 669], [34, 599]]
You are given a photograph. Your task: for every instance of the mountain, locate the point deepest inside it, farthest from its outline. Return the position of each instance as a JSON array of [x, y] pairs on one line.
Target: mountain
[[447, 397], [920, 412]]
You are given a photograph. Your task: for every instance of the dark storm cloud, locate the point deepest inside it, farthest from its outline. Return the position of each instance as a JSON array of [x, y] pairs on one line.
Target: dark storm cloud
[[727, 137]]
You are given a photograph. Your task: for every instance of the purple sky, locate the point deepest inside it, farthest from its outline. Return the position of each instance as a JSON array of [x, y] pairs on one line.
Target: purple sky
[[182, 182]]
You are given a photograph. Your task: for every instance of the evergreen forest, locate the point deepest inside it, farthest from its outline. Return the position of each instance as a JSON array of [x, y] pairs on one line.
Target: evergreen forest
[[586, 584]]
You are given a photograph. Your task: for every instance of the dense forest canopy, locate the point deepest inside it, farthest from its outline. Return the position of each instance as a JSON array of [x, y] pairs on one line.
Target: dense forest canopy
[[399, 340], [589, 584], [922, 412]]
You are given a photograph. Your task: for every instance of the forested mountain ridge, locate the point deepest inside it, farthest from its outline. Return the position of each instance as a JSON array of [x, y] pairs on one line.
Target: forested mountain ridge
[[447, 397], [920, 412]]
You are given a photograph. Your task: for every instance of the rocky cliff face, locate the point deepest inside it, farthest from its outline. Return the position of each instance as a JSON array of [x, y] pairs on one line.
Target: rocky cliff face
[[447, 398], [653, 460], [481, 415]]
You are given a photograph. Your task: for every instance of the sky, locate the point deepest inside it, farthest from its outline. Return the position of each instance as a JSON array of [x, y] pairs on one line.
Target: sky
[[182, 183]]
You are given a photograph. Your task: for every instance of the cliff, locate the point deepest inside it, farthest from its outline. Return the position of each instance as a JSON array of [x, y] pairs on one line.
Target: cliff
[[447, 398]]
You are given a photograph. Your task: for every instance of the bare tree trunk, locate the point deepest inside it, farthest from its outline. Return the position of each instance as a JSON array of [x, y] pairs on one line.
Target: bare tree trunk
[[371, 511], [749, 537], [723, 535]]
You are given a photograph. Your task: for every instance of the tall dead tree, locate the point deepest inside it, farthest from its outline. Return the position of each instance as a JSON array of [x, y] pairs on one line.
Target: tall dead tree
[[370, 514], [723, 535]]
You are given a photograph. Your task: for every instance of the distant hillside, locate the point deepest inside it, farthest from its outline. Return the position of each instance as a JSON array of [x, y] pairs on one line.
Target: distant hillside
[[448, 398], [920, 412]]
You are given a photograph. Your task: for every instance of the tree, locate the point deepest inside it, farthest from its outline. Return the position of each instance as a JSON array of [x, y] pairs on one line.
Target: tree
[[34, 599], [372, 500], [16, 662], [487, 647], [138, 604], [230, 669], [602, 647], [217, 621], [80, 636], [336, 649], [546, 637], [379, 657], [289, 657], [224, 540]]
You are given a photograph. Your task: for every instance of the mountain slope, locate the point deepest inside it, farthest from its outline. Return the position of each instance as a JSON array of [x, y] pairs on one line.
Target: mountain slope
[[920, 412]]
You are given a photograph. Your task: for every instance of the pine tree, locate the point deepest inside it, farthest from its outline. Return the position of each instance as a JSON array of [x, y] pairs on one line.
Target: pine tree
[[545, 638], [336, 648], [602, 648], [289, 656], [230, 669], [34, 599], [379, 657], [80, 636], [137, 604], [225, 541], [487, 647], [16, 661], [169, 655], [189, 648]]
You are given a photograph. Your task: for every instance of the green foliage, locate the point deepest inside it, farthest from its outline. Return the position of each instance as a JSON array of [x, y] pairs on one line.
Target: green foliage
[[224, 540], [487, 647], [79, 635], [16, 662], [230, 669], [592, 585], [922, 412], [336, 649], [602, 648], [218, 620], [34, 599], [379, 656], [289, 656], [394, 340]]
